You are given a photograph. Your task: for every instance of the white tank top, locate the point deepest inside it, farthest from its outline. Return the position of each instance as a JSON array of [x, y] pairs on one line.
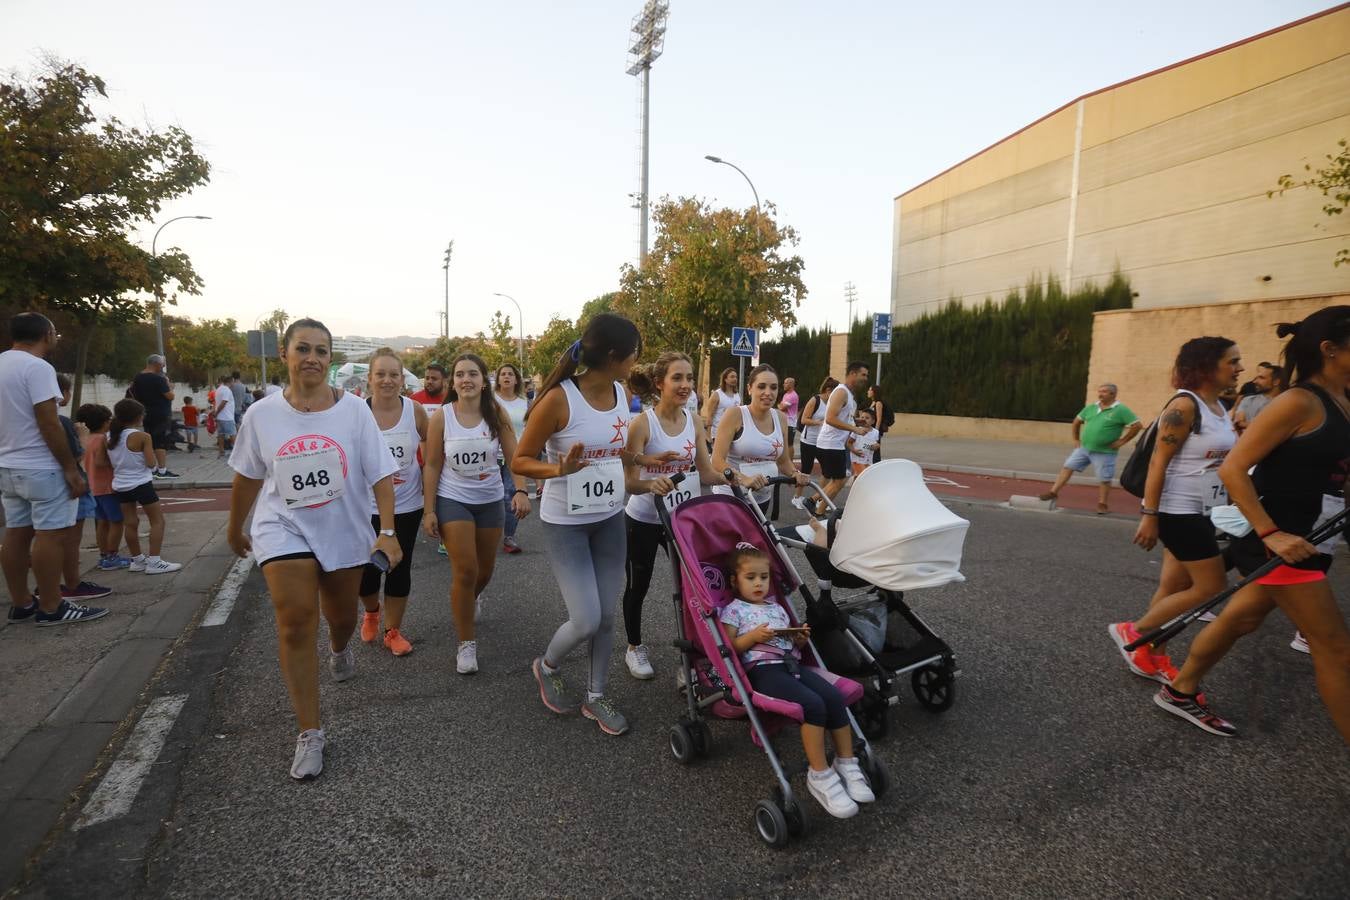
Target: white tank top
[[829, 437], [402, 442], [596, 492], [809, 432], [1192, 485], [515, 411], [470, 473], [691, 405], [725, 402], [129, 468], [642, 507], [756, 453]]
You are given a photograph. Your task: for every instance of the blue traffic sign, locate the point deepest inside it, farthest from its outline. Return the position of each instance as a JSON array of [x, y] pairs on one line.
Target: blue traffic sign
[[744, 341], [881, 327]]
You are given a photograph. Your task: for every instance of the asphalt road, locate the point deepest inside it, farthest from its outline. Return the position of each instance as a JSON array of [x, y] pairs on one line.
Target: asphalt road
[[1053, 774]]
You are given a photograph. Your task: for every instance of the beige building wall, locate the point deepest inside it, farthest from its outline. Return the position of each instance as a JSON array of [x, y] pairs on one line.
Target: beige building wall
[[838, 355], [1135, 348], [1164, 177]]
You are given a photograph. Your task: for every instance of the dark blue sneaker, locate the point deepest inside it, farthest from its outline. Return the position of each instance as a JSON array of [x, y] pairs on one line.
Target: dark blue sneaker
[[24, 613], [69, 613]]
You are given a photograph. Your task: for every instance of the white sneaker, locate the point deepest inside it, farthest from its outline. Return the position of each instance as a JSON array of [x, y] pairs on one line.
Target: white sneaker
[[466, 660], [478, 608], [1300, 643], [342, 664], [308, 762], [855, 782], [639, 666], [829, 792], [160, 567], [798, 503], [137, 564]]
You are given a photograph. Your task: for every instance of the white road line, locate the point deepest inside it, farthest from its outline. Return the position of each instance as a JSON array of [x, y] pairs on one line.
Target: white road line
[[119, 787], [223, 602]]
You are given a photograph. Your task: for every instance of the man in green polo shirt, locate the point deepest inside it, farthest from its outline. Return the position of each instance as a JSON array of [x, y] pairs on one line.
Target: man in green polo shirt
[[1099, 431]]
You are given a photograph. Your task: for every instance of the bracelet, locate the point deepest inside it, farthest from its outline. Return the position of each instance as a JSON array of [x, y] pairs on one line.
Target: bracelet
[[520, 491], [1265, 534], [1145, 511]]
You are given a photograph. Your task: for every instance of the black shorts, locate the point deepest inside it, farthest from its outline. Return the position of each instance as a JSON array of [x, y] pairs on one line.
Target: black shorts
[[144, 494], [159, 434], [808, 458], [833, 463], [1188, 537]]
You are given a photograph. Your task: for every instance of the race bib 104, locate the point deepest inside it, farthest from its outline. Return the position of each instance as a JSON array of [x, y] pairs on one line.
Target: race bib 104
[[310, 471], [596, 488]]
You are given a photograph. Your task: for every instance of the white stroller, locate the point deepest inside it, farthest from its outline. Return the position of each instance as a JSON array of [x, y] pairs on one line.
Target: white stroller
[[895, 536]]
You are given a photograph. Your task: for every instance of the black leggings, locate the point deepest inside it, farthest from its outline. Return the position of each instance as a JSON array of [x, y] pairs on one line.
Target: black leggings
[[398, 580], [822, 704], [643, 539]]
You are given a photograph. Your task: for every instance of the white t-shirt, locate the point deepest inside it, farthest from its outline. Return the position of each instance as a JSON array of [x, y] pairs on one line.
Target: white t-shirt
[[25, 381], [515, 411], [272, 389], [829, 437], [317, 469], [223, 393], [862, 448]]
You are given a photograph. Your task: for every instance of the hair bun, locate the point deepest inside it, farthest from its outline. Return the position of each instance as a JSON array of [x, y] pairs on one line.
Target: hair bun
[[1287, 329]]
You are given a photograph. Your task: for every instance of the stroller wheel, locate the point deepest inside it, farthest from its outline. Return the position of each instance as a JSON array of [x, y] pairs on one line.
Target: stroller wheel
[[702, 736], [771, 824], [877, 776], [934, 688], [793, 814], [682, 745], [872, 712]]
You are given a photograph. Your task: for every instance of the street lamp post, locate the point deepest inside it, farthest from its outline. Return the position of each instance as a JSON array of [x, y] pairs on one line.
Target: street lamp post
[[159, 297], [718, 159], [448, 251], [521, 322]]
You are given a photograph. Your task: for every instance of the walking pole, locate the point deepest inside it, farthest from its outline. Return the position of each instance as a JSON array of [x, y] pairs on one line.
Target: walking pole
[[1163, 633]]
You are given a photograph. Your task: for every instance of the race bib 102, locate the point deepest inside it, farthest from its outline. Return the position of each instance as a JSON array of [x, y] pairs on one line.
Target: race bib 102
[[684, 491]]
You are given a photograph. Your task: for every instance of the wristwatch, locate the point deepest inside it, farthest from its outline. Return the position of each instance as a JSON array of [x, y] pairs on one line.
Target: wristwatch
[[388, 532]]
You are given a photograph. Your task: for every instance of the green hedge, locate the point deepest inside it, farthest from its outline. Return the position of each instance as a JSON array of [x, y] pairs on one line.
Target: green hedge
[[1023, 358]]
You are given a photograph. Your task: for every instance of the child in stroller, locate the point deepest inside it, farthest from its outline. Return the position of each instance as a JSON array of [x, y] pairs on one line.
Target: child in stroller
[[769, 649]]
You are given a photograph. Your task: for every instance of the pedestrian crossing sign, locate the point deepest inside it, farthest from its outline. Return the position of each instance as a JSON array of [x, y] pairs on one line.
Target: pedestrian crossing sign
[[744, 341]]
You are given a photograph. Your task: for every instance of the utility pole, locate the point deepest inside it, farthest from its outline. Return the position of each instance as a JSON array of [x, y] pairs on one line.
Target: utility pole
[[850, 297], [445, 316], [649, 41]]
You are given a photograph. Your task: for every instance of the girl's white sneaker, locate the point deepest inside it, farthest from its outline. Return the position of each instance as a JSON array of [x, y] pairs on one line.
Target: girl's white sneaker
[[829, 792]]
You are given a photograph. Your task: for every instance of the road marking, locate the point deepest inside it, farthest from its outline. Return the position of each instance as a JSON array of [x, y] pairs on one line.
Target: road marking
[[182, 501], [223, 602], [119, 787], [939, 479]]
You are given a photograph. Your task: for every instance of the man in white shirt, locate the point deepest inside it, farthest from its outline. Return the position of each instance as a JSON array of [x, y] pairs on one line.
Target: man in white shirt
[[40, 481], [274, 387], [226, 428]]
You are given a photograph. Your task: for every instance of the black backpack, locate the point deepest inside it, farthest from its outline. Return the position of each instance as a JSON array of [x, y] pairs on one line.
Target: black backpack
[[1135, 474], [887, 417]]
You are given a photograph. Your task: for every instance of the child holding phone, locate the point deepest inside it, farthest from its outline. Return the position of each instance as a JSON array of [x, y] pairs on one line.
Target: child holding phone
[[761, 633]]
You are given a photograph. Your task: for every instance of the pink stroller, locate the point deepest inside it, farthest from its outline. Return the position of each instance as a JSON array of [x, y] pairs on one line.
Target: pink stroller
[[700, 532]]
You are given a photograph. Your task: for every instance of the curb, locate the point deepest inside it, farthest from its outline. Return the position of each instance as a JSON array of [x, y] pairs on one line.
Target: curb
[[186, 484], [1007, 473]]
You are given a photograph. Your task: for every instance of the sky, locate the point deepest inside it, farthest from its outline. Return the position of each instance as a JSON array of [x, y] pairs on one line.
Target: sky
[[350, 142]]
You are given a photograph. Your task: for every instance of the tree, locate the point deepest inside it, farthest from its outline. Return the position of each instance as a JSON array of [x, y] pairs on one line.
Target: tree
[[1333, 180], [72, 188], [710, 270], [206, 348], [558, 335], [500, 345]]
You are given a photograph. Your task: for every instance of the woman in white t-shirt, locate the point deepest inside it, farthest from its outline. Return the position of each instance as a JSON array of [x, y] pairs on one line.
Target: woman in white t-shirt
[[510, 399], [665, 440], [463, 492], [403, 426], [582, 421], [719, 401], [311, 456], [752, 439]]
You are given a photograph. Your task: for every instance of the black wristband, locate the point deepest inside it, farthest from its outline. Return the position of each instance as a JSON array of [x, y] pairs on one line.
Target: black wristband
[[520, 491]]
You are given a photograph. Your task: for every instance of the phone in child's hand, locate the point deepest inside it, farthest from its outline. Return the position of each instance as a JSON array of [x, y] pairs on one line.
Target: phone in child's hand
[[788, 632]]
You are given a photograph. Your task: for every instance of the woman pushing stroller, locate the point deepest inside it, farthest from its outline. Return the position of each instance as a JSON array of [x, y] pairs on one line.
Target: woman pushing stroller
[[761, 633]]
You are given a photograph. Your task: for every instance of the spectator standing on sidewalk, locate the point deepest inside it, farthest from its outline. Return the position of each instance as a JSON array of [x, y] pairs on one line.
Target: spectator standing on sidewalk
[[788, 405], [242, 398], [1099, 431], [72, 587], [40, 483], [1269, 383], [98, 467], [191, 420], [883, 417], [223, 410], [151, 389]]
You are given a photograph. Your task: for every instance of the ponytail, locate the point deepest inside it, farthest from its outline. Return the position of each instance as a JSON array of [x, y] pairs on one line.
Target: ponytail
[[608, 338], [1302, 356], [644, 381], [124, 413]]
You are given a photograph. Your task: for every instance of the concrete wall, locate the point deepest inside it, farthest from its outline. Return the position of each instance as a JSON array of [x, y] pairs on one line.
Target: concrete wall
[[1164, 177], [1016, 430], [107, 391], [838, 355], [1135, 348]]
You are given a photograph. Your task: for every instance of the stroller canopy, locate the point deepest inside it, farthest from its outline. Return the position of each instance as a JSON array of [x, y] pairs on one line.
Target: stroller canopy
[[895, 534]]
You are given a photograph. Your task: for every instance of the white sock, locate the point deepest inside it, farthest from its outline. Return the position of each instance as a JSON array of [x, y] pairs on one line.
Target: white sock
[[845, 760], [139, 557], [823, 773], [153, 560]]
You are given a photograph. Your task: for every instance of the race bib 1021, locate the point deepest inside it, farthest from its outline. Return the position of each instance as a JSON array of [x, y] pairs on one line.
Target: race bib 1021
[[474, 458]]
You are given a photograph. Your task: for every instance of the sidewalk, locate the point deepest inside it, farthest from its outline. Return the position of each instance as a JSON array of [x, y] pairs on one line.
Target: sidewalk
[[69, 688], [196, 470], [1000, 459]]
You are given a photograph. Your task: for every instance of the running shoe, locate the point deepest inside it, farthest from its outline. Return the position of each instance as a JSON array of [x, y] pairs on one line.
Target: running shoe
[[113, 563], [1193, 710], [167, 474], [1300, 643], [639, 663], [396, 643], [440, 548], [798, 503], [1049, 495], [1140, 661], [830, 793], [370, 626], [137, 563], [510, 546], [552, 690], [160, 567], [24, 613], [342, 664], [602, 712], [466, 660], [1163, 664], [855, 782], [85, 590], [68, 614], [308, 762]]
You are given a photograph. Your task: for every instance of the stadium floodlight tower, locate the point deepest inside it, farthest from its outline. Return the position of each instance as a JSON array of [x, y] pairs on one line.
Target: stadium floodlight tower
[[649, 40]]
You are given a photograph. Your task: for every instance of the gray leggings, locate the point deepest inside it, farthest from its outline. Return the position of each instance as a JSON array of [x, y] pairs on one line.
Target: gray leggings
[[588, 561]]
